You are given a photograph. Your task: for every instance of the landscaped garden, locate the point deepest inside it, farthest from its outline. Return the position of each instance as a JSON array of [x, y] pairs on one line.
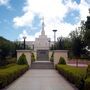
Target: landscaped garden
[[79, 76], [11, 72], [77, 45]]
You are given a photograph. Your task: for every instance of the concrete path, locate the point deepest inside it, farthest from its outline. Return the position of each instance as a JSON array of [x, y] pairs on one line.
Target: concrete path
[[41, 80]]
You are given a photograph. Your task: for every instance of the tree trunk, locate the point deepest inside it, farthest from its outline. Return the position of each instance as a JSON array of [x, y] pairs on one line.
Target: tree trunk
[[76, 62]]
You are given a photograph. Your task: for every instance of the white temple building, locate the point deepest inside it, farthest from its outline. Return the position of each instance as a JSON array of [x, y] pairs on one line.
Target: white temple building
[[42, 42]]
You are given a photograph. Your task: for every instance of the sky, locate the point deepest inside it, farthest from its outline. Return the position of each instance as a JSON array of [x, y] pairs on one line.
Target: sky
[[20, 18]]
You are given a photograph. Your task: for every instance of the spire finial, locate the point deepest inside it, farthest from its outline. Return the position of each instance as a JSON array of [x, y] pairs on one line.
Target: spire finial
[[89, 11], [43, 32]]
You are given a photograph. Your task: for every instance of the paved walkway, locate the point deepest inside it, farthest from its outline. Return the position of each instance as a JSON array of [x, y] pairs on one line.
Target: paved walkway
[[41, 80]]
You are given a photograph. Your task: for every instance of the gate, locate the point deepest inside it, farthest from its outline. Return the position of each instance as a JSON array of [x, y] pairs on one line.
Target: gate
[[42, 55]]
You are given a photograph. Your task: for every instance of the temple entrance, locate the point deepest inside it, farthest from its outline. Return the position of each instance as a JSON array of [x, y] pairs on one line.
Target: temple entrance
[[42, 55]]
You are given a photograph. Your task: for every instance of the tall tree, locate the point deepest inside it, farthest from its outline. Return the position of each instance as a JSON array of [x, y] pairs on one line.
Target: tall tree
[[77, 44], [62, 44], [5, 50], [87, 31]]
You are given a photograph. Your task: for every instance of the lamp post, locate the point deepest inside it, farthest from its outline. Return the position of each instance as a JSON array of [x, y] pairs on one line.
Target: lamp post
[[49, 43], [33, 46], [24, 41], [54, 36], [0, 54]]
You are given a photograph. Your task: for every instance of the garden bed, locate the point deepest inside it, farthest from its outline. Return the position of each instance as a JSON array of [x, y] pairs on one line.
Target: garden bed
[[10, 73], [87, 84], [74, 75]]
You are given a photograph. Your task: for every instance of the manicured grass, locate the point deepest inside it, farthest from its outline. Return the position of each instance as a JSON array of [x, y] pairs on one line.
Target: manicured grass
[[10, 72], [7, 66], [73, 74]]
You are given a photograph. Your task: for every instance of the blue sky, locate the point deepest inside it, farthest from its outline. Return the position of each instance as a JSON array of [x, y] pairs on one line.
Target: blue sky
[[20, 18]]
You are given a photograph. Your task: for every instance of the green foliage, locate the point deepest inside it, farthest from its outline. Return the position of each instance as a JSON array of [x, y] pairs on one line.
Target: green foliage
[[87, 32], [22, 60], [87, 84], [78, 46], [80, 38], [62, 61], [52, 57], [10, 73], [62, 44], [88, 71], [73, 74], [32, 57], [8, 49], [11, 60], [5, 50]]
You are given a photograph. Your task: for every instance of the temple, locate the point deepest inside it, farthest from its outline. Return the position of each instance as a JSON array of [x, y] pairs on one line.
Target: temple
[[42, 42]]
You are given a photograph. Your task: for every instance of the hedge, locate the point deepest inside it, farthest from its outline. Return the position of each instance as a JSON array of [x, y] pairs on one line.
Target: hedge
[[87, 84], [73, 74], [9, 74], [88, 71], [87, 81]]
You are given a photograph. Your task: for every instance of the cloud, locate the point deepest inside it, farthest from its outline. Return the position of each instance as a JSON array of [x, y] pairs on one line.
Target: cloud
[[88, 1], [83, 8], [4, 2], [54, 12], [24, 20], [28, 37], [63, 29], [46, 8], [24, 33]]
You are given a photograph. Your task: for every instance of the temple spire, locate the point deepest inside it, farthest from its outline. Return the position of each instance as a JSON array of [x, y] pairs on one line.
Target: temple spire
[[89, 11], [43, 32]]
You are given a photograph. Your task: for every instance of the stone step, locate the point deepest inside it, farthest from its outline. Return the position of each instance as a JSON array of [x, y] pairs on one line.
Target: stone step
[[42, 65]]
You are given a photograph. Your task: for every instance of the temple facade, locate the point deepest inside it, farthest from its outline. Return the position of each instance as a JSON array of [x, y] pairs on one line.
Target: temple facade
[[42, 42]]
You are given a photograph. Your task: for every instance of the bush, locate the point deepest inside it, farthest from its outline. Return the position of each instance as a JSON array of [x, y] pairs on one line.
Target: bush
[[10, 73], [22, 60], [87, 84], [87, 81], [32, 57], [73, 74], [88, 71], [11, 60], [62, 61], [52, 57]]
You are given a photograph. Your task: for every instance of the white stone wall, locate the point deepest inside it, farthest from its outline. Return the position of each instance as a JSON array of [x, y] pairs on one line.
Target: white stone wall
[[58, 54], [27, 53]]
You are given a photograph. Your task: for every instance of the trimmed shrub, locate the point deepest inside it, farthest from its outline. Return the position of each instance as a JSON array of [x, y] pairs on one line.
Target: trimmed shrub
[[52, 57], [73, 74], [62, 61], [22, 60], [9, 74], [32, 57]]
